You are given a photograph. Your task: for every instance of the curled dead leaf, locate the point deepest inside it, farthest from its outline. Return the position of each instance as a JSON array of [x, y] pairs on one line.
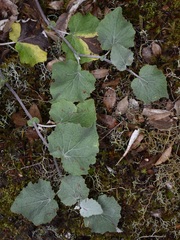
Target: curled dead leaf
[[156, 49], [109, 99], [147, 54], [122, 106], [165, 156]]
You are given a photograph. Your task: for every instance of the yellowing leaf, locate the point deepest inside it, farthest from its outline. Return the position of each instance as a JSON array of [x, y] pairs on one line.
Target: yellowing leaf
[[30, 54], [15, 33], [81, 28]]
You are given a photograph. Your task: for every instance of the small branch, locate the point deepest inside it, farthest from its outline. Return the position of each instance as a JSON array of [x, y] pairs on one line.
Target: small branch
[[34, 124], [27, 113]]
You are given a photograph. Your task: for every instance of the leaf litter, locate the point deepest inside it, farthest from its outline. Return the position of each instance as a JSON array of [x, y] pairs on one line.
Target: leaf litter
[[158, 121]]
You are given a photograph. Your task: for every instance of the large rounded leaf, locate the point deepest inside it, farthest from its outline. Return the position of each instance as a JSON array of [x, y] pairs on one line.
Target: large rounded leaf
[[151, 84], [76, 146], [71, 83], [65, 111], [35, 202], [113, 29], [108, 220], [72, 189]]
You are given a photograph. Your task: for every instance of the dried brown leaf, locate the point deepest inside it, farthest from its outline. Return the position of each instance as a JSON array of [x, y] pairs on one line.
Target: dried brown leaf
[[163, 124], [112, 83], [137, 142], [34, 111], [122, 106], [165, 156], [147, 54], [107, 120], [18, 119], [109, 99], [62, 22], [100, 73], [156, 49], [31, 135], [177, 107], [56, 5], [150, 111]]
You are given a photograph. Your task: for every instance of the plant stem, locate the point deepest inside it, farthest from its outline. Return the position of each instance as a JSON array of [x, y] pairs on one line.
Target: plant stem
[[34, 124], [134, 74]]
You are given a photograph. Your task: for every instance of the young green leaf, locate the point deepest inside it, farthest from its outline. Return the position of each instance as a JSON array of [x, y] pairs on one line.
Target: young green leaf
[[81, 28], [115, 29], [71, 83], [151, 84], [36, 203], [90, 207], [64, 111], [76, 146], [121, 57], [32, 121], [108, 220], [72, 189]]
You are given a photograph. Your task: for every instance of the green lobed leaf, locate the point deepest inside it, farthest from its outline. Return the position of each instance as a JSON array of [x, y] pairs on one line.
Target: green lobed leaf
[[30, 54], [71, 83], [83, 25], [90, 207], [72, 189], [64, 111], [108, 220], [76, 146], [36, 203], [151, 86], [80, 27], [115, 29], [121, 57]]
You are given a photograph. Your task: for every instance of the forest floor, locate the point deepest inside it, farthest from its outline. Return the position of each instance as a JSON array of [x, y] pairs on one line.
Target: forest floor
[[149, 194]]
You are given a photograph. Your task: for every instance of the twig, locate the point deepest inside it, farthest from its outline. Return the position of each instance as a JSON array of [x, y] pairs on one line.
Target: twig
[[34, 124]]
